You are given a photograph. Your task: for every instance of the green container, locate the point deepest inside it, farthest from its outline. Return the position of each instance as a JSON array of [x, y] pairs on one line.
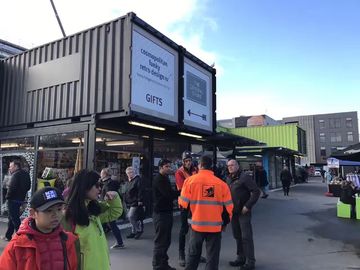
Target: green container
[[343, 210]]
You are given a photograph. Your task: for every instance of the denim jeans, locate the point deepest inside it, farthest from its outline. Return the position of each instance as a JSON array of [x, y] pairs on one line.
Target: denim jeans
[[116, 231], [136, 224]]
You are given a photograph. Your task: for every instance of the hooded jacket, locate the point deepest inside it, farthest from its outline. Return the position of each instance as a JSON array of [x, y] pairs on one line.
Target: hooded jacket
[[30, 249]]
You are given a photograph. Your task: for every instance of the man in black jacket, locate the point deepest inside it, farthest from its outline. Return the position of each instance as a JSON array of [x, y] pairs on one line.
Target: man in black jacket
[[134, 195], [244, 193], [19, 185], [163, 197]]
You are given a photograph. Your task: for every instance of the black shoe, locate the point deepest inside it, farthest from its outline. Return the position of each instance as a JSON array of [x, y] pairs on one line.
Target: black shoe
[[202, 259], [247, 267], [170, 268], [137, 235], [131, 235], [237, 262], [182, 259], [265, 196]]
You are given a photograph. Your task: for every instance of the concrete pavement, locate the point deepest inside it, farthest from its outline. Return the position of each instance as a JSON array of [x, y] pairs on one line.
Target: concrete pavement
[[299, 232]]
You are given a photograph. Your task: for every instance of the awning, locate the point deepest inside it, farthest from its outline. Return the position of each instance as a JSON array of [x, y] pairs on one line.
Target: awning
[[224, 139], [350, 153], [335, 163]]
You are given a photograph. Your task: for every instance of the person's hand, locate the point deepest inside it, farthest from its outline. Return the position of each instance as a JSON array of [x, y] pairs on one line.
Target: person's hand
[[244, 210], [140, 203], [110, 195]]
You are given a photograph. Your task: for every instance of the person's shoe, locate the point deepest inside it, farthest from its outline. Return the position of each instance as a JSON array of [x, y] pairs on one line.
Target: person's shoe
[[237, 262], [247, 267], [202, 259], [182, 260], [118, 246], [265, 196], [137, 235], [170, 268], [5, 238], [131, 235]]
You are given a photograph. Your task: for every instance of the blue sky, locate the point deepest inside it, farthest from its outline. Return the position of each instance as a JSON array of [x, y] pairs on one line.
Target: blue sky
[[276, 57]]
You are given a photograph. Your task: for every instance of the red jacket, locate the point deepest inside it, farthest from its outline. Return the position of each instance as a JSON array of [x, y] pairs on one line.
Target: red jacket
[[30, 249], [182, 174]]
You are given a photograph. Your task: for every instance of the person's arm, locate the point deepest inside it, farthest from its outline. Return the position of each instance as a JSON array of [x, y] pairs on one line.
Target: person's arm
[[184, 198], [111, 208], [228, 205], [254, 192], [165, 189], [7, 258], [12, 186], [141, 190], [179, 179]]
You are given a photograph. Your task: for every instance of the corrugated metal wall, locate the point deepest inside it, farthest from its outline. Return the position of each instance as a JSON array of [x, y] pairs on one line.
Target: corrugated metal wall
[[277, 136], [59, 93]]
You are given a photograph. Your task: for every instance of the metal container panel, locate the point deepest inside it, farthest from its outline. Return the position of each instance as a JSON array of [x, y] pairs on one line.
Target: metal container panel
[[76, 76], [275, 136]]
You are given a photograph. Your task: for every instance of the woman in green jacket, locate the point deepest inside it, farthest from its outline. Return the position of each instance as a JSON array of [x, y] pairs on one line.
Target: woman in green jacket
[[84, 216]]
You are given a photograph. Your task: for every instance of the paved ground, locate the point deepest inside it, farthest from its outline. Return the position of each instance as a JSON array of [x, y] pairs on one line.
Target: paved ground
[[299, 232]]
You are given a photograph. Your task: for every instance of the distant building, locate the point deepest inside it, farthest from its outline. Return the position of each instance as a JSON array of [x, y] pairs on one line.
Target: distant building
[[8, 49], [326, 133], [248, 121]]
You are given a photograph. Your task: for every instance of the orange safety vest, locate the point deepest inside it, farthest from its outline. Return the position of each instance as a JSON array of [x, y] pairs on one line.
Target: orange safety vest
[[207, 197]]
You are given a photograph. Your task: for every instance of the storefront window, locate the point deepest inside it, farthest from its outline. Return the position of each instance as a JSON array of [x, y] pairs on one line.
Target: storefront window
[[73, 139], [26, 143], [59, 157], [119, 151]]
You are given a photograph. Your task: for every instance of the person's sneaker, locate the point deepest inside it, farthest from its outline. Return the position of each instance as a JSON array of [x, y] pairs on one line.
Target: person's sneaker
[[5, 238], [137, 235], [182, 260], [202, 259], [265, 196], [131, 235], [170, 268], [237, 262], [118, 246], [247, 267]]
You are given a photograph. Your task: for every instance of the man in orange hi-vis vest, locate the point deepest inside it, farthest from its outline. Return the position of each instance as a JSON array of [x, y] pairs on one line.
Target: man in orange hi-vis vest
[[210, 204]]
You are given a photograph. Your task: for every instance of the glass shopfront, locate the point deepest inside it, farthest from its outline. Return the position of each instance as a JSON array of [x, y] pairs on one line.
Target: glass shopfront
[[59, 156], [14, 149]]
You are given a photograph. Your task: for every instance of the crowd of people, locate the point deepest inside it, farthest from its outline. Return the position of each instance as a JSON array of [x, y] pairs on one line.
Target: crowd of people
[[77, 220]]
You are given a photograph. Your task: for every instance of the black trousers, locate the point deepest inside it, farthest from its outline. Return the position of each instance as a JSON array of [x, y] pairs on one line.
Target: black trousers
[[14, 218], [286, 187], [184, 229], [163, 223], [242, 231], [213, 246]]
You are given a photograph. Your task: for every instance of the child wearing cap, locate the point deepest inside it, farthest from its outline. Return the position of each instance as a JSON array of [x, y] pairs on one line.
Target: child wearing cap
[[41, 243]]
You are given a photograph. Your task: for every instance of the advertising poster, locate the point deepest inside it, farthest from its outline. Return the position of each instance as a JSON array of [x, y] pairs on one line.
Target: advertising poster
[[154, 77], [197, 97]]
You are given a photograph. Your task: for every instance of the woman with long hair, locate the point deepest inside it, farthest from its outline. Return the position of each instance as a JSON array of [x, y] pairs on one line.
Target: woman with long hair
[[85, 214]]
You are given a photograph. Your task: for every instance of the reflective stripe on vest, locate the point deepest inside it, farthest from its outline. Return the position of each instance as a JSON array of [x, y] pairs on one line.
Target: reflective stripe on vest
[[184, 199], [205, 223], [228, 202], [206, 202]]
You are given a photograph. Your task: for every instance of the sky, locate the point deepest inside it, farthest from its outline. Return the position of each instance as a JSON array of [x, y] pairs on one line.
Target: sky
[[276, 57]]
